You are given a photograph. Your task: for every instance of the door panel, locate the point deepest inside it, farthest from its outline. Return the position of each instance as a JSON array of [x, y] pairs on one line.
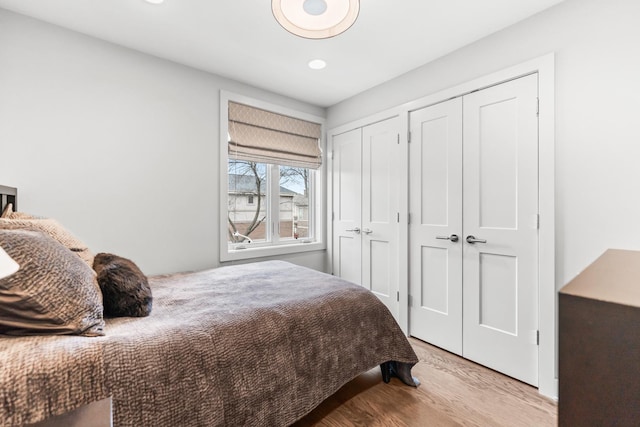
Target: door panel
[[498, 302], [347, 259], [435, 265], [500, 206], [497, 168], [435, 170], [347, 182], [435, 295], [380, 273], [380, 198], [380, 142]]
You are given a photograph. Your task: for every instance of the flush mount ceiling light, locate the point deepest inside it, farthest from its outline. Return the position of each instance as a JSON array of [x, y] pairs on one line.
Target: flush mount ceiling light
[[316, 19]]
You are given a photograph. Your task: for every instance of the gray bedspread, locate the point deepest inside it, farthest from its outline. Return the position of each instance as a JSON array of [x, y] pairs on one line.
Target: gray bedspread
[[249, 345]]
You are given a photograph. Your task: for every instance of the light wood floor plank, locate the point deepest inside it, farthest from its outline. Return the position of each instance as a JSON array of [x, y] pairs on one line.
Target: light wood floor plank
[[453, 392]]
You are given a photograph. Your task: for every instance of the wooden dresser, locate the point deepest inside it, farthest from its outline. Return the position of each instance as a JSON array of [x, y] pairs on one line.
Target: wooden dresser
[[599, 344]]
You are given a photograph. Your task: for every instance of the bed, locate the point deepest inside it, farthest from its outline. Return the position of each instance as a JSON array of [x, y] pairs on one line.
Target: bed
[[254, 344]]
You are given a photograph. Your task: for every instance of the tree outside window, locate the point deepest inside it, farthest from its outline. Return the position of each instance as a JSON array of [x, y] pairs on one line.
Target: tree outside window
[[248, 197]]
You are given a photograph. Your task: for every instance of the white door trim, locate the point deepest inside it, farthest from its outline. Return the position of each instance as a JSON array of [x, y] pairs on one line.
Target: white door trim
[[545, 67]]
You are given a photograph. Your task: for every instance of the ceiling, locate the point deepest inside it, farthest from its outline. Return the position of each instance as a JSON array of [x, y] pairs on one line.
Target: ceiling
[[241, 40]]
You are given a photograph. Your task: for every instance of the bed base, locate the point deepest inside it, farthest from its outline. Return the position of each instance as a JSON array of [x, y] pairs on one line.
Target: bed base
[[400, 370]]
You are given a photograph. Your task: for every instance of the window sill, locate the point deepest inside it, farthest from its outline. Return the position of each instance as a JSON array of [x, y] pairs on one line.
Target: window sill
[[265, 251]]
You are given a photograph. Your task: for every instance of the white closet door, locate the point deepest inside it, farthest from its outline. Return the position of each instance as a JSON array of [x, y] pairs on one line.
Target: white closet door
[[435, 265], [501, 207], [347, 207], [380, 198]]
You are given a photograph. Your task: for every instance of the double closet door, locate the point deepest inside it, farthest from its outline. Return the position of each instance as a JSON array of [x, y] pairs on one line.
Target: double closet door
[[473, 234], [365, 208]]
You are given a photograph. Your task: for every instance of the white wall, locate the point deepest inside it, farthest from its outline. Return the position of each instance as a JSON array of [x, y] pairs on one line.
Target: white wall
[[119, 146], [597, 112]]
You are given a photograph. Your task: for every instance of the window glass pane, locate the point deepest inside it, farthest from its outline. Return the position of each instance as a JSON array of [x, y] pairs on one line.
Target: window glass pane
[[247, 213], [294, 202]]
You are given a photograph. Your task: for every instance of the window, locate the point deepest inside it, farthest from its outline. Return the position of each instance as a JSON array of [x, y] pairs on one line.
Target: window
[[271, 180]]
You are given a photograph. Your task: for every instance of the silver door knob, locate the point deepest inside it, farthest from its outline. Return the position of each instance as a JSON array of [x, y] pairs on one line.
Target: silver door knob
[[472, 239], [355, 230], [454, 237], [367, 231]]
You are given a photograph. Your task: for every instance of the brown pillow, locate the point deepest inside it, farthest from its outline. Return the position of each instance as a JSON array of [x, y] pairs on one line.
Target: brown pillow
[[125, 289], [18, 220], [52, 293]]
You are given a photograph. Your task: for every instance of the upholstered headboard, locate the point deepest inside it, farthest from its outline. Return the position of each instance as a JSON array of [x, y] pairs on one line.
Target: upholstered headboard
[[8, 195]]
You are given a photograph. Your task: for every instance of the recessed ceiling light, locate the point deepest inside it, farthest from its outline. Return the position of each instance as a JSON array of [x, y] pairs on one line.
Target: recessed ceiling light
[[317, 64], [154, 1]]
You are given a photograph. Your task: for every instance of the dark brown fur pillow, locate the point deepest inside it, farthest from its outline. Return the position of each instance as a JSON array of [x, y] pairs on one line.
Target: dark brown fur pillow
[[125, 290]]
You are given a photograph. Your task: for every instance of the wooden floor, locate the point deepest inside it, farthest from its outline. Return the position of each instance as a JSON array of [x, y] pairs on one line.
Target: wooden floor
[[453, 392]]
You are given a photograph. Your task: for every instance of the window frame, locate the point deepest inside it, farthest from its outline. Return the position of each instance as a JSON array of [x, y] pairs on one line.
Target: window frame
[[317, 217]]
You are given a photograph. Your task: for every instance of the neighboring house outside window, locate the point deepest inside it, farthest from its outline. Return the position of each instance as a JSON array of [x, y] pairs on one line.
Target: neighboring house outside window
[[294, 207], [272, 200]]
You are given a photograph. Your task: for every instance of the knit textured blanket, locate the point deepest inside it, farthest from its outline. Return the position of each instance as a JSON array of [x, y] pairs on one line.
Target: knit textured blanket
[[252, 345]]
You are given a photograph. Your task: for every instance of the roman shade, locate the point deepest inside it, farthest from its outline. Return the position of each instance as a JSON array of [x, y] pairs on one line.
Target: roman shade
[[261, 136]]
